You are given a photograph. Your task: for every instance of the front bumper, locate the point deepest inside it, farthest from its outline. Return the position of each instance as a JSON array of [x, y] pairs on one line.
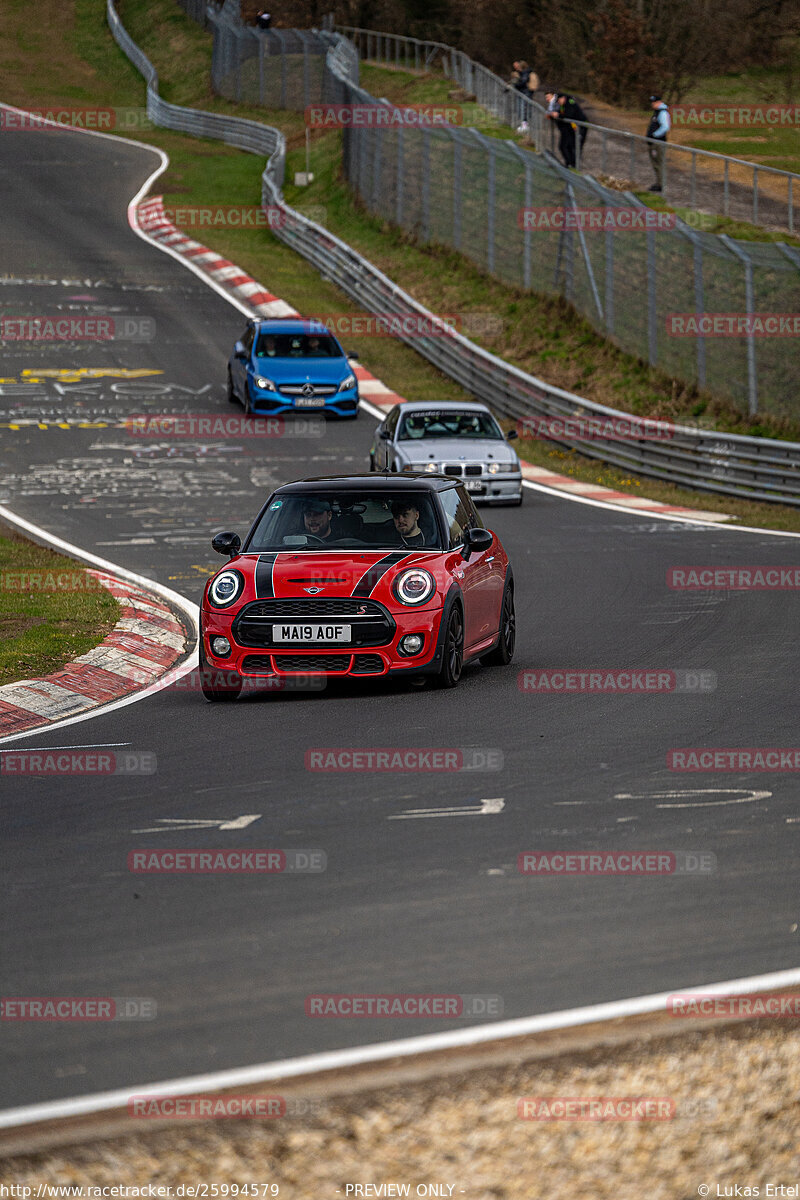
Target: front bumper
[[498, 489], [341, 404], [330, 660]]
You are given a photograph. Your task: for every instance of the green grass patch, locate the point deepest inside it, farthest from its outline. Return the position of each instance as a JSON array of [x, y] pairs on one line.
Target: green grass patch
[[51, 610]]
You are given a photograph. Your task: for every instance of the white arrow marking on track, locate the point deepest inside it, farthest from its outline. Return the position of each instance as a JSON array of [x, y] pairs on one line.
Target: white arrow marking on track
[[745, 796], [172, 824], [495, 805]]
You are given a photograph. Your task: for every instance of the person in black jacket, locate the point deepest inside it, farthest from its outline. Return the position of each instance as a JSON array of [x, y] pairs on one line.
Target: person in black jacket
[[566, 114]]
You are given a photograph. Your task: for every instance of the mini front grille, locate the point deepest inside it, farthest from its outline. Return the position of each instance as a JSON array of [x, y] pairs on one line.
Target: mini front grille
[[314, 663], [367, 664], [325, 608], [257, 664]]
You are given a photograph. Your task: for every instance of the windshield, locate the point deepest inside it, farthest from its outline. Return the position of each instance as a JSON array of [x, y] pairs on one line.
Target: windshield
[[441, 423], [348, 521], [297, 345]]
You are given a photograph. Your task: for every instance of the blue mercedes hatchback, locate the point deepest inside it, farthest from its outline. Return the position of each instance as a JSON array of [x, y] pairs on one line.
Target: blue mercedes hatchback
[[295, 364]]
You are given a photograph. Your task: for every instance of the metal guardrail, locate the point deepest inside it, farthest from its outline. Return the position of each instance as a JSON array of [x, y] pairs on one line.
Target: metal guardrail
[[732, 187], [753, 468]]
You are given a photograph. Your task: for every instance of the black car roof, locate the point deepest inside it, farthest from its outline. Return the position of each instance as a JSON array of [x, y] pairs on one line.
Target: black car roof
[[378, 481]]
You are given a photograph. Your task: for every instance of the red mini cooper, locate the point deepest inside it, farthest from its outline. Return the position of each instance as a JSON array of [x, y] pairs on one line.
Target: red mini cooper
[[358, 575]]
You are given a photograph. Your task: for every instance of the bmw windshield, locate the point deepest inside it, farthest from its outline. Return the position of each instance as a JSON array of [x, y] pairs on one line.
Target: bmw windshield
[[385, 520], [441, 423]]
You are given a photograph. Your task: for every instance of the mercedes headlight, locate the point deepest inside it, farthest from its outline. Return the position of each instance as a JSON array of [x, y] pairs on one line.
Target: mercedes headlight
[[226, 587], [266, 385], [347, 383], [414, 586], [493, 468]]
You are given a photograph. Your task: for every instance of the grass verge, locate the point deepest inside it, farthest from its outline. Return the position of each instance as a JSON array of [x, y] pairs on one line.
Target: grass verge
[[51, 610]]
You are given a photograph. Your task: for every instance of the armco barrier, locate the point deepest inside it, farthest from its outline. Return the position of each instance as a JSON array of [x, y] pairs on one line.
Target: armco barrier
[[754, 468]]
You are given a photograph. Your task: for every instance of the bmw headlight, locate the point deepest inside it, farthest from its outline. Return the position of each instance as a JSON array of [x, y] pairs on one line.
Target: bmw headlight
[[346, 384], [493, 468], [431, 468], [225, 588], [414, 586], [266, 385]]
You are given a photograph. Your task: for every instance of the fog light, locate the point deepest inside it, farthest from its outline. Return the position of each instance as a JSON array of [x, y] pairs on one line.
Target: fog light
[[220, 646], [410, 644]]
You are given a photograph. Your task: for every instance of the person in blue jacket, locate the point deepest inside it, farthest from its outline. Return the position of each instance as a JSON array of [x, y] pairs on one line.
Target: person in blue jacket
[[657, 130]]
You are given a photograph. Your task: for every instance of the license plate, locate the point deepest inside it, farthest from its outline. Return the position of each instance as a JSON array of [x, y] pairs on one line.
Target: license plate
[[316, 632], [474, 485], [309, 402]]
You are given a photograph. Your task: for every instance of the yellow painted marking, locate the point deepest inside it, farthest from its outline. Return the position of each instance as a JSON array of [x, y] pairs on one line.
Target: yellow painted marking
[[75, 374]]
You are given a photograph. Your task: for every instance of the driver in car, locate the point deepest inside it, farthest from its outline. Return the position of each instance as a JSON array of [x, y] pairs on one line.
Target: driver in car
[[406, 522], [317, 518]]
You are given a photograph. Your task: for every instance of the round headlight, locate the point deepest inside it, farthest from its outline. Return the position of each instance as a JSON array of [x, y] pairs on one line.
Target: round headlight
[[494, 468], [431, 467], [225, 588], [414, 586]]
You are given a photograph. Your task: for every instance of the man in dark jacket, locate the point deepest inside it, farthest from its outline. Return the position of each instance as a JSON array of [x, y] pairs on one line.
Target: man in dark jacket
[[566, 114], [657, 130]]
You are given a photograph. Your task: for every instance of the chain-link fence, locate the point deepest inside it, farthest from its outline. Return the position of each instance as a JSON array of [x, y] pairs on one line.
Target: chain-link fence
[[274, 68], [647, 281], [691, 178]]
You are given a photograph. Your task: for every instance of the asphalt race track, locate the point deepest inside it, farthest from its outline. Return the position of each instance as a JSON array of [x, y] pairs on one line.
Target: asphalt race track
[[421, 905]]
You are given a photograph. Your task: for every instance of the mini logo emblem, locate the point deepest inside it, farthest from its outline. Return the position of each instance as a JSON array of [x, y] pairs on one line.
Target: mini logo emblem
[[312, 591]]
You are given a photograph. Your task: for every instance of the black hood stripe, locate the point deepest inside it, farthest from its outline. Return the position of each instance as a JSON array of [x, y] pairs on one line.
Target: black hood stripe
[[370, 579], [265, 584]]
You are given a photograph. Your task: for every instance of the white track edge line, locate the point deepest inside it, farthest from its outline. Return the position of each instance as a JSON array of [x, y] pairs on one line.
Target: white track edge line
[[379, 1052], [189, 609]]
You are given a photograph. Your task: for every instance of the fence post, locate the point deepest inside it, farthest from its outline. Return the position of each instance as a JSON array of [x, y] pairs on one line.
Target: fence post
[[525, 160], [699, 307], [752, 378], [457, 192], [652, 316], [262, 42], [490, 212], [426, 184], [400, 178]]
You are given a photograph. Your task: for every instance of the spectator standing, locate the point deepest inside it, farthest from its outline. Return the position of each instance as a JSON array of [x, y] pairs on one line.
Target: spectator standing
[[567, 112], [657, 130]]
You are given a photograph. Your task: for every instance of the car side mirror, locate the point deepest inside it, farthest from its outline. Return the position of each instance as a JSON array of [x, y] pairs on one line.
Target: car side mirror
[[512, 433], [227, 543], [239, 350], [386, 435], [475, 540]]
